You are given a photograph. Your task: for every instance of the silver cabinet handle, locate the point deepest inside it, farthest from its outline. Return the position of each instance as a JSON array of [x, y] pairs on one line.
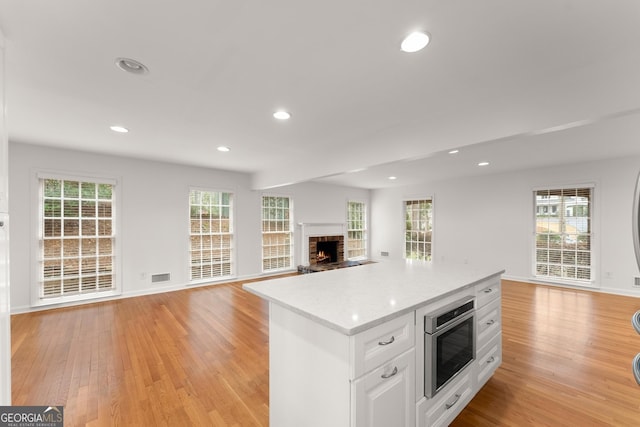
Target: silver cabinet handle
[[635, 366], [387, 342], [635, 321], [455, 400], [491, 322], [491, 360], [488, 290], [1, 224], [395, 371]]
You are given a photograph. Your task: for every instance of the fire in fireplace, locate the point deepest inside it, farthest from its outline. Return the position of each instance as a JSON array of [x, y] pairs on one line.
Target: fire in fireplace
[[326, 249], [327, 252]]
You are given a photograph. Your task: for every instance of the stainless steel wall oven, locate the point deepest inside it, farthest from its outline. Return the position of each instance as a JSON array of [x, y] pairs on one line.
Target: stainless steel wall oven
[[450, 343]]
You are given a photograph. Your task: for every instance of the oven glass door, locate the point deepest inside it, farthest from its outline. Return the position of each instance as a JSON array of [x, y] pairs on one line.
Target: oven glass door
[[451, 350]]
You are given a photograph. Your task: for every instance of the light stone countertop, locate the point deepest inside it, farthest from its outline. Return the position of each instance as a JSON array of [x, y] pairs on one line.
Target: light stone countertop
[[353, 299]]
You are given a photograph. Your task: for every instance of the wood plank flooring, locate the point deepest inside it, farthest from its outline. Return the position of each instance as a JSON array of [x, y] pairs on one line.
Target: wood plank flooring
[[566, 361], [200, 357]]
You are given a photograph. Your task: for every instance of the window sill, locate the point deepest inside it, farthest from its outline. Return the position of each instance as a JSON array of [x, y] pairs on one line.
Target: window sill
[[70, 300]]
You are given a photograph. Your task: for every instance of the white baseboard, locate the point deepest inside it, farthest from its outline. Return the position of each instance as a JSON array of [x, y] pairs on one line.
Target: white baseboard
[[614, 291], [143, 292]]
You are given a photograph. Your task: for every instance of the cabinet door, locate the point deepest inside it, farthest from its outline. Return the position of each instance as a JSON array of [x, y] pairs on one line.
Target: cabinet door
[[386, 396]]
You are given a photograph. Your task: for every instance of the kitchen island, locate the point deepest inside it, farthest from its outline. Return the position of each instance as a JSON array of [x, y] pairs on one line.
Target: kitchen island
[[347, 346]]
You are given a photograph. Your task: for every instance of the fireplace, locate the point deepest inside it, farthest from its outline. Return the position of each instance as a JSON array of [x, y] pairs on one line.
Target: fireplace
[[326, 249]]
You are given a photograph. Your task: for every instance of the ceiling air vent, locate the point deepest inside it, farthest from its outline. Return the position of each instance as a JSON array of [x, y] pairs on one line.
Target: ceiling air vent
[[163, 277]]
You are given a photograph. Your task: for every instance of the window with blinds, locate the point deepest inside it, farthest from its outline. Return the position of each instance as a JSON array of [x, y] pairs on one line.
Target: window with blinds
[[563, 233], [77, 237], [277, 233], [418, 229], [356, 230], [211, 234]]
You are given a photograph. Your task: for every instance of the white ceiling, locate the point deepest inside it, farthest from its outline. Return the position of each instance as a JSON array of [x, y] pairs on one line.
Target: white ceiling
[[517, 83]]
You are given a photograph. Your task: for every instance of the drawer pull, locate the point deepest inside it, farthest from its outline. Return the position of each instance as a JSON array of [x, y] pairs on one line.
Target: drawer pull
[[490, 322], [395, 371], [455, 400], [491, 360], [387, 342], [488, 290]]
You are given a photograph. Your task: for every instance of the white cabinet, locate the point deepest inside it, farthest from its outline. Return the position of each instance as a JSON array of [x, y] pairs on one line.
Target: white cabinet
[[381, 343], [385, 396], [488, 331], [449, 402], [321, 377]]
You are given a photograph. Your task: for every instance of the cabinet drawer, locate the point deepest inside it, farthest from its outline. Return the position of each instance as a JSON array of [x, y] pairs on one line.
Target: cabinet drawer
[[373, 347], [487, 292], [386, 396], [448, 403], [489, 323], [488, 360]]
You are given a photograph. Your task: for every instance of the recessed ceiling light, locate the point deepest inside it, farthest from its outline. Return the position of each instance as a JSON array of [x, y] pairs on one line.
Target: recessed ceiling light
[[223, 149], [454, 151], [131, 66], [119, 129], [392, 178], [483, 164], [282, 115], [415, 42]]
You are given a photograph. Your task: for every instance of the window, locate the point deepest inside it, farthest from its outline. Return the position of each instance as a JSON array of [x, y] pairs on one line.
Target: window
[[356, 230], [77, 237], [563, 233], [277, 234], [418, 229], [211, 235]]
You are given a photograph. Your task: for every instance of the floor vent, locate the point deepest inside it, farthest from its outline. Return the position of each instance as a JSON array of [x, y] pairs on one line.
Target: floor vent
[[164, 277]]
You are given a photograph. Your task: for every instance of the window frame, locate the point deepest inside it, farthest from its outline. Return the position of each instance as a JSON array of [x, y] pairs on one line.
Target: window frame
[[592, 218], [291, 236], [364, 230], [37, 235], [232, 248], [429, 199]]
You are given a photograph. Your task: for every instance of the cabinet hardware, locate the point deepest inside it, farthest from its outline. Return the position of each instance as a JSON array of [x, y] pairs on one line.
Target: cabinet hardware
[[491, 360], [455, 400], [488, 290], [635, 320], [491, 322], [395, 371], [387, 342]]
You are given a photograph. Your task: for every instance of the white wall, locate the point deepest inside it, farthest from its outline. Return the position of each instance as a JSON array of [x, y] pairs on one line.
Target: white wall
[[5, 294], [153, 214], [489, 219]]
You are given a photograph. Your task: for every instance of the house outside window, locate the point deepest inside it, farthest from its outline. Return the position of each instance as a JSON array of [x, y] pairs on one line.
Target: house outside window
[[418, 229], [211, 234], [277, 233], [356, 230], [77, 239], [563, 239]]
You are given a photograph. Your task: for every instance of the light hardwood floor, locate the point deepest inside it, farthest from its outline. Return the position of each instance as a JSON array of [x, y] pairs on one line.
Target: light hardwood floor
[[200, 357]]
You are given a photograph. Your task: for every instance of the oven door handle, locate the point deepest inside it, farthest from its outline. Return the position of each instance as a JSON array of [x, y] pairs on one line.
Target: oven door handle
[[455, 323]]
